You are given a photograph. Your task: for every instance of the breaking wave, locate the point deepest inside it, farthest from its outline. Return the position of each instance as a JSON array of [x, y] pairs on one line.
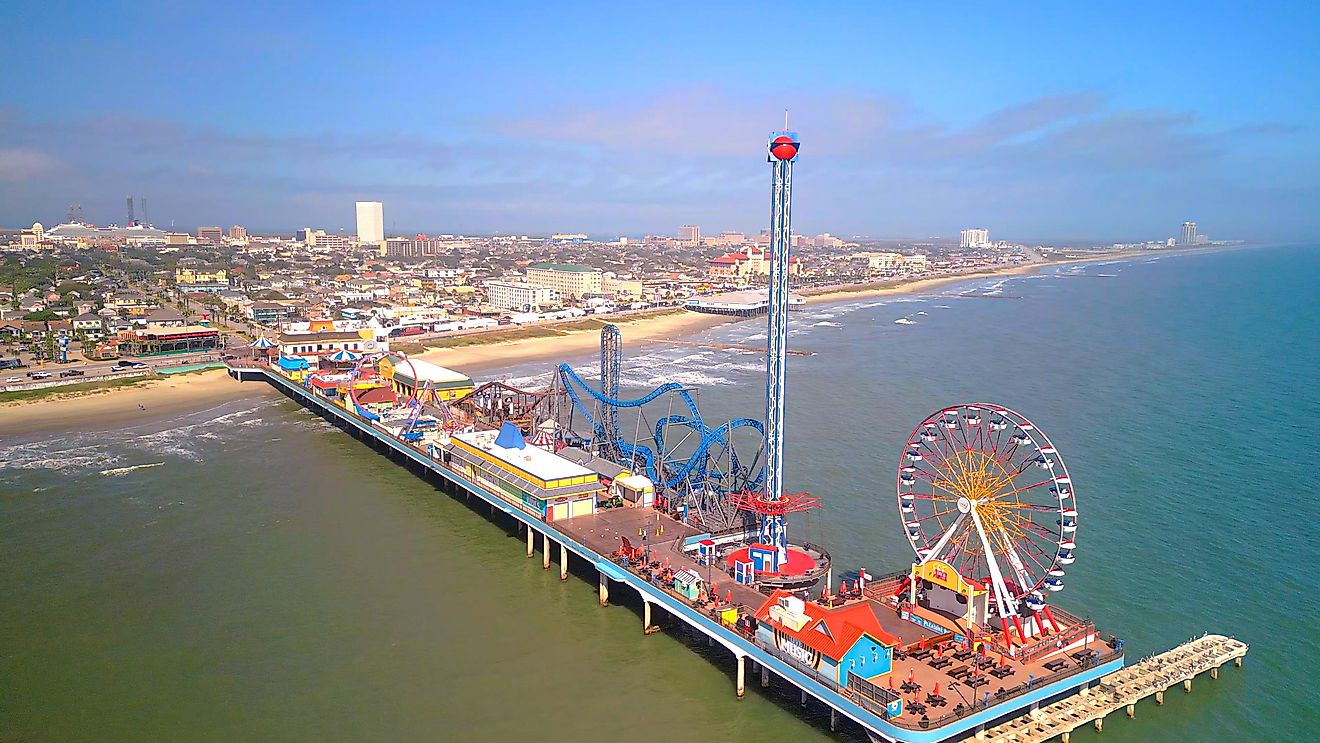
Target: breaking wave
[[121, 471]]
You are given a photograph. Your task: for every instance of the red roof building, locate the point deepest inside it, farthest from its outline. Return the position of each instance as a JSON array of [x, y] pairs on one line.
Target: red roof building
[[833, 642], [749, 261]]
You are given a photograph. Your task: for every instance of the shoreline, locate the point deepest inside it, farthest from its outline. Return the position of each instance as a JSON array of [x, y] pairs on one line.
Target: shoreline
[[117, 405], [190, 392]]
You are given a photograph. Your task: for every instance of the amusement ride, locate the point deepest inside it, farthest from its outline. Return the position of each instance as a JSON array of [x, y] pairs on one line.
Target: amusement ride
[[982, 489]]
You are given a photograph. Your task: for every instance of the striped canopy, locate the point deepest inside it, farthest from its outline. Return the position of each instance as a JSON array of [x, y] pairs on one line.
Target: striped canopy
[[262, 342], [344, 355]]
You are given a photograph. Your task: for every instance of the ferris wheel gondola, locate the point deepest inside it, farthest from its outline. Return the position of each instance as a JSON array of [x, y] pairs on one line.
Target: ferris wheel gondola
[[984, 490]]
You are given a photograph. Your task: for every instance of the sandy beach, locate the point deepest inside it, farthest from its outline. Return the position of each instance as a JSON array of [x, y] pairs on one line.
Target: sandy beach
[[636, 332], [111, 407]]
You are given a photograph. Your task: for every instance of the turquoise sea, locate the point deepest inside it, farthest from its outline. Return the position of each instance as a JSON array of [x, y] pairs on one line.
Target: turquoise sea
[[248, 572]]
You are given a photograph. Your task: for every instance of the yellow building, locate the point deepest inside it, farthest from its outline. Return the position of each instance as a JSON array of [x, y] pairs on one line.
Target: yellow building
[[197, 276], [535, 480], [406, 375], [570, 280]]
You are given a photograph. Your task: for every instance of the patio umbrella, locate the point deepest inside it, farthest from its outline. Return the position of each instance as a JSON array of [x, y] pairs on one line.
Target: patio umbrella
[[344, 356]]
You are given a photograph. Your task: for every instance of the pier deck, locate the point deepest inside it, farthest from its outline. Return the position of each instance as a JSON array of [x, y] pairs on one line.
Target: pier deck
[[1121, 689], [595, 537]]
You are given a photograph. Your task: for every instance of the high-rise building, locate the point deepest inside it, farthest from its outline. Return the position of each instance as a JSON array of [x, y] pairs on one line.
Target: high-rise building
[[370, 222], [571, 281], [976, 237], [211, 235], [1188, 234], [689, 234], [238, 232]]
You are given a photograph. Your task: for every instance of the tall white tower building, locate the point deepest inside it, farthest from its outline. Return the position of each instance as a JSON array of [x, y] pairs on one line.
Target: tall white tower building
[[371, 222], [976, 237]]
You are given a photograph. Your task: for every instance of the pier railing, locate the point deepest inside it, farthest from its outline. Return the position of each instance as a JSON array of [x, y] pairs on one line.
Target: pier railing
[[866, 695]]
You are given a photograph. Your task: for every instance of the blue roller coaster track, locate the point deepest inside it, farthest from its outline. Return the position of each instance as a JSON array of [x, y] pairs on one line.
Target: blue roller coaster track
[[661, 466]]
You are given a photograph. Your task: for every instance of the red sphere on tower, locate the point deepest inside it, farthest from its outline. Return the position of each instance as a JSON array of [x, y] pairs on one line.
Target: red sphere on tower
[[784, 147]]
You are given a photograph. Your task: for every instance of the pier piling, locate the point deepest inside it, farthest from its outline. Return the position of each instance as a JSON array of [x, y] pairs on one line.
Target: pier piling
[[563, 562], [604, 590], [1132, 711], [531, 541], [742, 675], [1187, 686], [1099, 724], [1159, 698], [765, 677], [1214, 672], [545, 550]]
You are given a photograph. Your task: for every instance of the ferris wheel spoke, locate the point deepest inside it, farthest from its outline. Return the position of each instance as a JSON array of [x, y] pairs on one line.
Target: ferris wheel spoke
[[1042, 531], [1024, 506], [937, 514]]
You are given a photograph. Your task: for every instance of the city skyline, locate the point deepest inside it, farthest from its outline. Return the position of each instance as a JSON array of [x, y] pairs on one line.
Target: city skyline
[[1121, 135]]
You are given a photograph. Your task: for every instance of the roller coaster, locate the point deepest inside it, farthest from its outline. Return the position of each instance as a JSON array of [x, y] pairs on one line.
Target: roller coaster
[[699, 470]]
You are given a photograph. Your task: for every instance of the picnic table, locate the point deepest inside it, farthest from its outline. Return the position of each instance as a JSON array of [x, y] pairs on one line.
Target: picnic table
[[1001, 672], [938, 663], [977, 681], [963, 654], [960, 672], [1056, 665], [922, 653]]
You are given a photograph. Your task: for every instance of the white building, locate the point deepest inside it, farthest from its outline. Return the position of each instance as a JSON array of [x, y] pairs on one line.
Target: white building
[[1188, 233], [520, 296], [371, 222], [689, 234], [976, 237]]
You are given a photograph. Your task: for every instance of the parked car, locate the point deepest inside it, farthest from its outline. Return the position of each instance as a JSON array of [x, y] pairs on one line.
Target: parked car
[[126, 364], [14, 380], [72, 373], [42, 375]]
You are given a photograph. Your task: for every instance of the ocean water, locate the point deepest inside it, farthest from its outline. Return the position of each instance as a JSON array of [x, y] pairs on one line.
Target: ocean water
[[250, 572]]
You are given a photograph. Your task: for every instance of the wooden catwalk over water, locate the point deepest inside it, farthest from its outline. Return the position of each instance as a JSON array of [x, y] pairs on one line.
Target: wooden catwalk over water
[[1121, 689]]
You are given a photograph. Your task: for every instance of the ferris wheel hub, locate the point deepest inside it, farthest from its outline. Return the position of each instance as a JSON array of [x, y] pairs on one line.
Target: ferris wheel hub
[[965, 504]]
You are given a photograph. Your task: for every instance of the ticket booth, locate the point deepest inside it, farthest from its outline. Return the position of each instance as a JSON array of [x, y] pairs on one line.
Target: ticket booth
[[635, 489], [688, 584]]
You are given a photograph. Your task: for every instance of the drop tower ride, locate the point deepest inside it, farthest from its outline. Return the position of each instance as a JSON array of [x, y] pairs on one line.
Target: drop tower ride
[[782, 153]]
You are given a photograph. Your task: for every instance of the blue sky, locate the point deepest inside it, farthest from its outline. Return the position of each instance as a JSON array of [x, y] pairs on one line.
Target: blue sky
[[1109, 122]]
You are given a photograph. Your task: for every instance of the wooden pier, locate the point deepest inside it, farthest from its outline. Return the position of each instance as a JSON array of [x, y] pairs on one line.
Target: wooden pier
[[1122, 690]]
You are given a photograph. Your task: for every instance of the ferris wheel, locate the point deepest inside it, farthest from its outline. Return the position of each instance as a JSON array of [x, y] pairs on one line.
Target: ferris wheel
[[983, 490]]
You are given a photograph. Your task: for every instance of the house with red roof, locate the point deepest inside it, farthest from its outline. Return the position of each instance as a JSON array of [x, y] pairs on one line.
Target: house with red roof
[[749, 261], [834, 642]]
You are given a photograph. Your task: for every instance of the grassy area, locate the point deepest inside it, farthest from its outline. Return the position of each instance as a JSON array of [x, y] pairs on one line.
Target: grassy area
[[74, 389], [507, 335], [492, 336]]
